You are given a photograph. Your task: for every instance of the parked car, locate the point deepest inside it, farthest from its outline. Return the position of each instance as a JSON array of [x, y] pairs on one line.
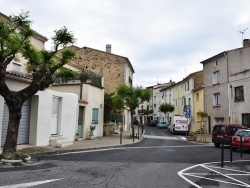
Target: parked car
[[153, 123], [162, 125], [245, 133], [224, 131]]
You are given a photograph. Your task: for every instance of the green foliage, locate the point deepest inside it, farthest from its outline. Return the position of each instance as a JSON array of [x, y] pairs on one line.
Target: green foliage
[[131, 97], [118, 103], [202, 114], [17, 156], [84, 75], [148, 111], [166, 108], [92, 128], [108, 106], [63, 37], [66, 74], [15, 37]]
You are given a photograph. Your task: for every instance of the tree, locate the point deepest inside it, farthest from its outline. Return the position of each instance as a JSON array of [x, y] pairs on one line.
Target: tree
[[15, 40], [166, 109], [202, 116], [129, 98]]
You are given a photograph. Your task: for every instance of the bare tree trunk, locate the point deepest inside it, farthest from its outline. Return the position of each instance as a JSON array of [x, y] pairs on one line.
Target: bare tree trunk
[[9, 148]]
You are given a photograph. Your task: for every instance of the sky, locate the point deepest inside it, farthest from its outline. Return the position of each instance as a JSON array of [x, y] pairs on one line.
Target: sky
[[163, 39]]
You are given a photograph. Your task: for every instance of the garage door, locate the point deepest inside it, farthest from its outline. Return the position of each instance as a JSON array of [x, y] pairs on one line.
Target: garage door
[[24, 128]]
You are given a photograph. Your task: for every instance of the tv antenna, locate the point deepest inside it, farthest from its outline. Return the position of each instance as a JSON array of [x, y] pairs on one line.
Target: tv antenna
[[242, 32]]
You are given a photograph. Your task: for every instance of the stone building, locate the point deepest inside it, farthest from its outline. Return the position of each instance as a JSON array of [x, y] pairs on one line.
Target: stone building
[[115, 69]]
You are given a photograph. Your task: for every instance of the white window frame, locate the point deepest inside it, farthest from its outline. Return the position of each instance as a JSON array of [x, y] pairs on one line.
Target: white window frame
[[216, 77]]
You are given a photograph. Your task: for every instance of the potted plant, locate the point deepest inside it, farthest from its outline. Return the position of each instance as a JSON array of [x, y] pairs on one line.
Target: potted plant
[[76, 136], [91, 132], [84, 76]]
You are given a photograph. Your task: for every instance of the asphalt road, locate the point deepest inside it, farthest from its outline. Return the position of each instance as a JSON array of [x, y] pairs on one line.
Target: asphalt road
[[160, 160]]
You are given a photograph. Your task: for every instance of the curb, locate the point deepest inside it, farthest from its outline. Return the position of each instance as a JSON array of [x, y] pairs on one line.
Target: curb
[[86, 149], [28, 158]]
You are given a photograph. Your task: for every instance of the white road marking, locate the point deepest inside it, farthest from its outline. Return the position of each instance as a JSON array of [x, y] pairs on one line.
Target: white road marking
[[224, 175], [216, 180], [161, 137], [182, 174], [29, 184]]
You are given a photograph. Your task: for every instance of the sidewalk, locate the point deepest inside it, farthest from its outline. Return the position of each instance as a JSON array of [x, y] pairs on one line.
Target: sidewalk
[[110, 141], [206, 138]]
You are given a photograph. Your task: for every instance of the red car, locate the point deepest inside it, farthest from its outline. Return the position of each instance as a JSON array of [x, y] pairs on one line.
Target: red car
[[245, 133], [224, 131]]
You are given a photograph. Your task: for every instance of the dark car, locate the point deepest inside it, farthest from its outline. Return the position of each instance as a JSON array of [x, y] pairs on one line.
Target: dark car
[[224, 131], [153, 123], [245, 134]]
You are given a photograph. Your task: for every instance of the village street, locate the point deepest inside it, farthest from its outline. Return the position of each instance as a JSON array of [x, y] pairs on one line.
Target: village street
[[159, 160]]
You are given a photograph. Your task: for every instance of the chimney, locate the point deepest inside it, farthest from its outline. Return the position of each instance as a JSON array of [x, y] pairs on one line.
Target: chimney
[[108, 48], [246, 43]]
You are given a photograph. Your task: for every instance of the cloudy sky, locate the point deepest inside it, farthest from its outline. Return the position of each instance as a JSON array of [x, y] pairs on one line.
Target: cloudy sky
[[163, 39]]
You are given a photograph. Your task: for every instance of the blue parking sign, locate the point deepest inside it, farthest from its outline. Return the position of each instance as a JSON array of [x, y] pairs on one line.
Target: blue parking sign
[[187, 112]]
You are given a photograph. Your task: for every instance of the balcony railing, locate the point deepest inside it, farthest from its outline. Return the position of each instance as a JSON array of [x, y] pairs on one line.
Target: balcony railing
[[93, 79]]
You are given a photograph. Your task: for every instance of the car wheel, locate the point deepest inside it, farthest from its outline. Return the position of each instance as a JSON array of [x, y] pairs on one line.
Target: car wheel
[[217, 145], [234, 149]]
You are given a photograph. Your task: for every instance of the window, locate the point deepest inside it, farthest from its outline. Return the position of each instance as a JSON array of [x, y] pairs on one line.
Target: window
[[197, 97], [16, 67], [188, 85], [217, 99], [239, 93], [219, 120], [189, 101], [183, 101], [176, 102], [246, 119], [216, 77]]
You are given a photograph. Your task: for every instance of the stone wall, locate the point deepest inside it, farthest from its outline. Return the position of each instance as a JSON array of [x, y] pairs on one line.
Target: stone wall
[[110, 66]]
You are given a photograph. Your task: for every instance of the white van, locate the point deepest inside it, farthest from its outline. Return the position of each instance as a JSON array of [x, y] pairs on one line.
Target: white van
[[179, 124]]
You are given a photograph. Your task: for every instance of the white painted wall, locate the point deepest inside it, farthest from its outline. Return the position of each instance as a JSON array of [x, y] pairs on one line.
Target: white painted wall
[[95, 98], [41, 108], [40, 119]]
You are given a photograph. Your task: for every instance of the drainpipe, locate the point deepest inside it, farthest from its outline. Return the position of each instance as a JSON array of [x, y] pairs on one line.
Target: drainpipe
[[228, 90]]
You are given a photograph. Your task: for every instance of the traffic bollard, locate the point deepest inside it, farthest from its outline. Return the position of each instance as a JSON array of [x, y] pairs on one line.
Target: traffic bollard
[[222, 152], [231, 149], [241, 146], [120, 137], [133, 133], [138, 132]]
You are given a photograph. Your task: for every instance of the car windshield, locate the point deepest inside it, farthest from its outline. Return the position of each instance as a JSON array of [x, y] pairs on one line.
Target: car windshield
[[242, 133], [162, 122]]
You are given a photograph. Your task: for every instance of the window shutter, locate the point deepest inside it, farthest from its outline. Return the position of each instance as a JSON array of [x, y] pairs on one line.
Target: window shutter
[[95, 112]]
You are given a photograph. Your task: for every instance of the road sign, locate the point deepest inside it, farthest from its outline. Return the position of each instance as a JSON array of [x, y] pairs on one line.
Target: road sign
[[187, 112]]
